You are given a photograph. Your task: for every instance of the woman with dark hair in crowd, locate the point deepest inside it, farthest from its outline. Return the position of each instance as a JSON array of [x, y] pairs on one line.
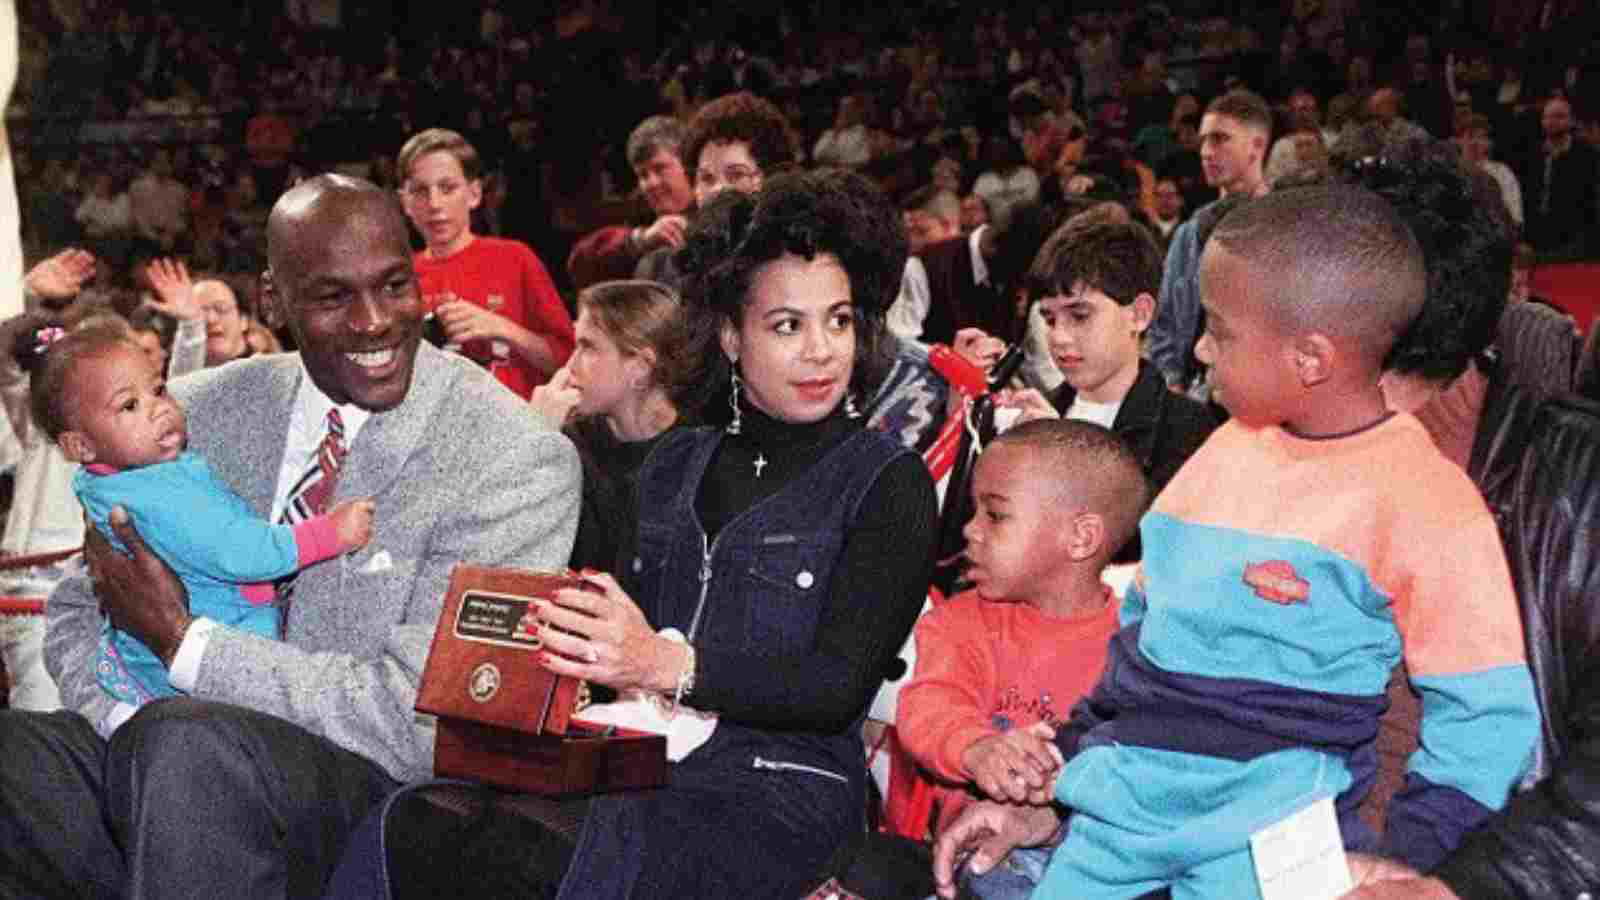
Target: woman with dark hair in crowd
[[782, 554], [624, 387], [736, 142]]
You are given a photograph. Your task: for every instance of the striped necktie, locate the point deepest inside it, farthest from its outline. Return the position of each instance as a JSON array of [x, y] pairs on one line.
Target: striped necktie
[[311, 492], [309, 498]]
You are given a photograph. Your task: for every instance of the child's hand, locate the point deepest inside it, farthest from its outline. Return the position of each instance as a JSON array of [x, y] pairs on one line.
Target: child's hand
[[976, 346], [1032, 404], [555, 400], [174, 289], [1016, 767], [352, 521]]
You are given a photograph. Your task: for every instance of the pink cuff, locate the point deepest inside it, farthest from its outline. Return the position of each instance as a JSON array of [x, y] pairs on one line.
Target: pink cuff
[[262, 593], [316, 539]]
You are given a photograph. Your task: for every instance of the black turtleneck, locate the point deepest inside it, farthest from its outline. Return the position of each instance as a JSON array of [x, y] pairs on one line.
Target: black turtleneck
[[877, 590]]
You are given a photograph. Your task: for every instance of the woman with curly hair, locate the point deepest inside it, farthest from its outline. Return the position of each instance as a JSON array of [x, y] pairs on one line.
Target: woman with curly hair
[[734, 142], [778, 561]]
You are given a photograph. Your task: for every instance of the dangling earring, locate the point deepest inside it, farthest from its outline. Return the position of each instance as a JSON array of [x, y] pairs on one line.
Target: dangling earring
[[850, 411], [735, 423]]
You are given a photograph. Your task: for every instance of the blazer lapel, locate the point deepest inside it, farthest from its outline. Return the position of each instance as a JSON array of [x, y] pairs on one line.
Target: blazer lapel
[[389, 438]]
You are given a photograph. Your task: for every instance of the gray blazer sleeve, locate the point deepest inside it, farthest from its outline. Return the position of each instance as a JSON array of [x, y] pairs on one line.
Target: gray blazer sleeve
[[71, 643]]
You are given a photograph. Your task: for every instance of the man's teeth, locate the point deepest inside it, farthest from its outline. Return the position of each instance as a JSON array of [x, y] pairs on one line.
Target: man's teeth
[[375, 358]]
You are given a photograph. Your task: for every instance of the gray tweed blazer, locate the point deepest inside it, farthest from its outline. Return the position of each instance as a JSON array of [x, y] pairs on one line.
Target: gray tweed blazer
[[460, 471]]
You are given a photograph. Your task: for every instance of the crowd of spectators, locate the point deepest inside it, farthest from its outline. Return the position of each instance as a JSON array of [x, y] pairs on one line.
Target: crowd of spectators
[[172, 129], [600, 136]]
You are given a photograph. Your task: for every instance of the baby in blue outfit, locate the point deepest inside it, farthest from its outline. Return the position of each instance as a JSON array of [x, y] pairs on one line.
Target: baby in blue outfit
[[99, 397]]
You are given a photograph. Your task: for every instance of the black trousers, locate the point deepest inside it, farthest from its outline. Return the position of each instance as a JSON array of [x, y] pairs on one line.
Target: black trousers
[[188, 799]]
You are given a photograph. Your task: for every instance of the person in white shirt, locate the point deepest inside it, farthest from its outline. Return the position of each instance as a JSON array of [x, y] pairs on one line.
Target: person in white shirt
[[1475, 138]]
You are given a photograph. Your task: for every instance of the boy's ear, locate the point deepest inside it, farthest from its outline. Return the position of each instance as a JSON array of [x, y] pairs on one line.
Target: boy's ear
[[76, 446], [1315, 358], [1085, 535], [1144, 311]]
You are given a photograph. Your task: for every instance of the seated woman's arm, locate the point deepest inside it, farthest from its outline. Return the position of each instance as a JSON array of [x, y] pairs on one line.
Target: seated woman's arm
[[876, 594]]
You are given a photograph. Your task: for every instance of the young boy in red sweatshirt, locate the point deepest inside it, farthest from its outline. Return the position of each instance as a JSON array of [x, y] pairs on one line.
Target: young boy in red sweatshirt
[[492, 295], [998, 666]]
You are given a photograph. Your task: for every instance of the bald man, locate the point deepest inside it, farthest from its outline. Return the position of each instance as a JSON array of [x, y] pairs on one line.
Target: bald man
[[251, 781]]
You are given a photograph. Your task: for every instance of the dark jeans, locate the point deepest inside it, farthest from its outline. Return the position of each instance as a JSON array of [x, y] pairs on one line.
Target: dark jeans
[[188, 799]]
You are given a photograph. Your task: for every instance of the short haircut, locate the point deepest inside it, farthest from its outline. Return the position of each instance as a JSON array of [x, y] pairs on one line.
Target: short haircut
[[1243, 106], [639, 315], [1475, 121], [826, 211], [433, 140], [934, 201], [653, 134], [48, 391], [1120, 260], [1468, 240], [1342, 262], [747, 118], [1095, 467]]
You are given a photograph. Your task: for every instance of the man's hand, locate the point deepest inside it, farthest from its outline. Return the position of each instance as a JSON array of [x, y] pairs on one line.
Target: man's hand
[[667, 231], [983, 834], [138, 591], [174, 290], [1018, 766], [1403, 889], [1377, 878], [61, 276]]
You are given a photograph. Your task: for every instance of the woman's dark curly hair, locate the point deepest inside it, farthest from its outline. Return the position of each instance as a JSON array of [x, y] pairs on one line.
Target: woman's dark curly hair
[[807, 214], [742, 117], [1467, 238]]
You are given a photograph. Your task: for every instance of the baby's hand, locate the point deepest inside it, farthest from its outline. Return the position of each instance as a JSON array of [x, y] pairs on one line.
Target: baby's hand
[[352, 521], [1015, 767]]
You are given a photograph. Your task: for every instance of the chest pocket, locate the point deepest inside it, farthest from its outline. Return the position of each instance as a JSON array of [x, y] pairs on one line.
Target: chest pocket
[[644, 572], [788, 580]]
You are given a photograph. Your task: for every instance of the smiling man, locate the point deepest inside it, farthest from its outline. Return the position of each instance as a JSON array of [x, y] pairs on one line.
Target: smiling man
[[251, 781], [612, 252]]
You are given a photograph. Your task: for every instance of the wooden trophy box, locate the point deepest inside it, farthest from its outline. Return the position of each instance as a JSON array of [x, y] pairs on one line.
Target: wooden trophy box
[[505, 720]]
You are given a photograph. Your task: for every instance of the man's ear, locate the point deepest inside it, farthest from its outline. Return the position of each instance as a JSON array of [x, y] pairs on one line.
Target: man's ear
[[1316, 358], [271, 302], [76, 446]]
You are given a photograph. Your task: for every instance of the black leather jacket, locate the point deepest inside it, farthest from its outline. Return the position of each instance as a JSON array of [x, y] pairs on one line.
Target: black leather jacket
[[1537, 463]]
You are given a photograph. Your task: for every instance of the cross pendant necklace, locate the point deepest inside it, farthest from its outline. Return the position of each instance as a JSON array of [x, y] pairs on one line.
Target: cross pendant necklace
[[760, 463]]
